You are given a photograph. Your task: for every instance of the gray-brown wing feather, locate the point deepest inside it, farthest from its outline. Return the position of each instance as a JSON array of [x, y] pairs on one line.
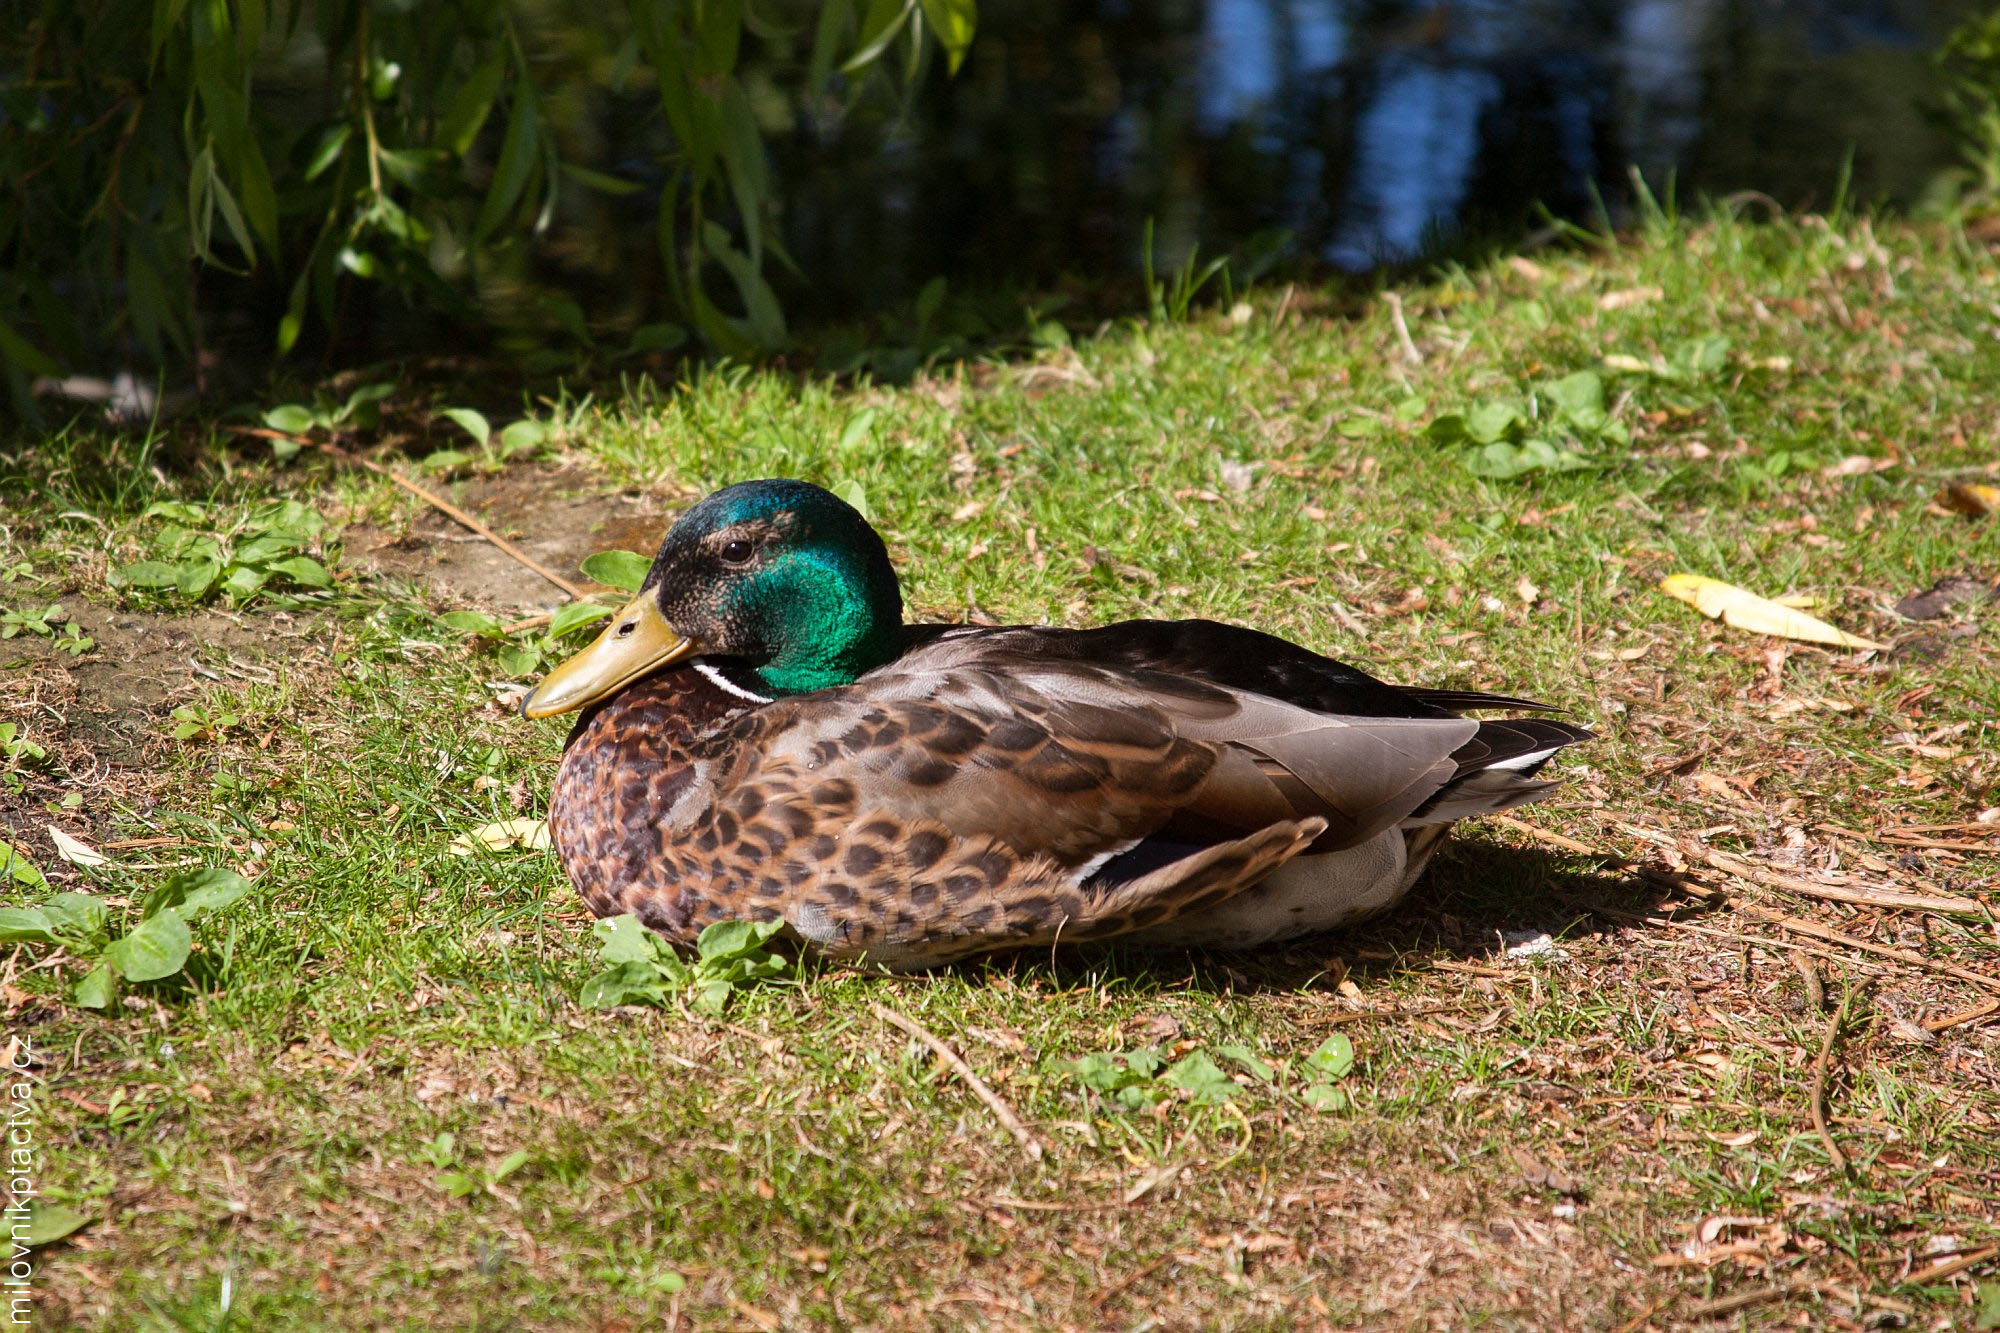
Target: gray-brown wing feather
[[1328, 740], [985, 755], [1121, 751]]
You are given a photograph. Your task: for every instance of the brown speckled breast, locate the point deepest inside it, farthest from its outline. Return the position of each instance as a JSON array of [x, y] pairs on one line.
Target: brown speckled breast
[[624, 764]]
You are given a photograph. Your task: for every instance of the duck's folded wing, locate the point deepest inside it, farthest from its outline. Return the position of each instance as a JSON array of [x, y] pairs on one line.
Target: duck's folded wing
[[1234, 657], [1351, 749], [918, 815], [1042, 770], [1362, 775], [1078, 759]]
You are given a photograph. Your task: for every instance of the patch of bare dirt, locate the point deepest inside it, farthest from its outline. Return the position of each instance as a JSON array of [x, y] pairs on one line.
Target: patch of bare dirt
[[103, 718], [114, 696], [557, 515]]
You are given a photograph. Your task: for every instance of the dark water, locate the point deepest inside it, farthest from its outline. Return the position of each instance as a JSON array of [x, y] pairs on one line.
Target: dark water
[[1371, 131]]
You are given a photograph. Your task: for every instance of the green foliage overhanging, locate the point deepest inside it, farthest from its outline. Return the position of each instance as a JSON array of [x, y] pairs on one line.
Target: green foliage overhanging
[[1970, 64], [417, 144]]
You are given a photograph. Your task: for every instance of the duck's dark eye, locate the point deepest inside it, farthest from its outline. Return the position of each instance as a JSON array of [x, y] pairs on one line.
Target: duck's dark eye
[[736, 552]]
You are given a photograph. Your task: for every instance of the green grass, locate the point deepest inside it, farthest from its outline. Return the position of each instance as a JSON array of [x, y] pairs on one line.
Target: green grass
[[268, 1128]]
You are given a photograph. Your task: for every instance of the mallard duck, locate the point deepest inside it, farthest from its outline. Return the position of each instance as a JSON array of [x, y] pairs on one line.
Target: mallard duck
[[763, 737]]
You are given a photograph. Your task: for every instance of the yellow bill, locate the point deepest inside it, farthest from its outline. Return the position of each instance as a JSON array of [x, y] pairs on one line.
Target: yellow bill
[[1760, 615], [637, 640]]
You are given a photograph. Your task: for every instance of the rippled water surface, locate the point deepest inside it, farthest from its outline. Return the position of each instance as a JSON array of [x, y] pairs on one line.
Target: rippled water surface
[[1370, 132]]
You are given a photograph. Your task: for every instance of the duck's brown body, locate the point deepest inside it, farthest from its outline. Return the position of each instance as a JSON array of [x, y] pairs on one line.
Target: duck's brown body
[[626, 762], [1000, 788]]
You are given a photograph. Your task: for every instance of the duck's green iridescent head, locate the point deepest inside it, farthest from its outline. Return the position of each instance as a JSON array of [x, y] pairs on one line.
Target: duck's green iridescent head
[[781, 575]]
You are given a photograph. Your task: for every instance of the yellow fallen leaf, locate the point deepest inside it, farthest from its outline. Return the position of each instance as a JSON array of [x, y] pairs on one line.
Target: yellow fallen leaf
[[1970, 498], [1760, 615], [528, 834], [75, 850]]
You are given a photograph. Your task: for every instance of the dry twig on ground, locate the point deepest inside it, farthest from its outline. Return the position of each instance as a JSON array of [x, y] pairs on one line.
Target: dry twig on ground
[[1003, 1112], [1821, 1073], [431, 498]]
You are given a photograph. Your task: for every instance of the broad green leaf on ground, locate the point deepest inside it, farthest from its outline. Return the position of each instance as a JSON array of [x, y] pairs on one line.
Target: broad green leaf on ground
[[471, 622], [291, 418], [625, 570], [303, 570], [195, 892], [458, 1184], [857, 430], [636, 982], [728, 940], [26, 925], [97, 989], [76, 916], [517, 661], [1501, 460], [444, 460], [65, 918], [1490, 421], [1331, 1062], [574, 615], [855, 494], [730, 956], [146, 574], [621, 939], [1200, 1078], [157, 947], [519, 436], [1126, 1078], [1578, 395], [711, 996], [1324, 1096], [1251, 1063], [15, 865], [50, 1222], [1334, 1057], [1987, 1297], [471, 422]]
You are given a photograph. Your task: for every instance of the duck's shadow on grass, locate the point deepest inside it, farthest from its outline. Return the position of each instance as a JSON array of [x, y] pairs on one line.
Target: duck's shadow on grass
[[1475, 901]]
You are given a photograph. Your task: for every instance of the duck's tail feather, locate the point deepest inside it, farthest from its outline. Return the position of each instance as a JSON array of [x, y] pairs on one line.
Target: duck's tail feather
[[1465, 701], [1497, 770]]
